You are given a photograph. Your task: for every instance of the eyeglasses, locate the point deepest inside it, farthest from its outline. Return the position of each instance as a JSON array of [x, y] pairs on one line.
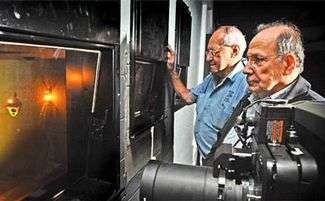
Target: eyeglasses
[[258, 60], [215, 51]]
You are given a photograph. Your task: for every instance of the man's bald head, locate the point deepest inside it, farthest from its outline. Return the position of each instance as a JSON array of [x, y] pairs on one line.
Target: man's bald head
[[288, 39], [231, 36]]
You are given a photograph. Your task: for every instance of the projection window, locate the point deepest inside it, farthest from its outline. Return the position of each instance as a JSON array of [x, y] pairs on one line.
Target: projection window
[[46, 96]]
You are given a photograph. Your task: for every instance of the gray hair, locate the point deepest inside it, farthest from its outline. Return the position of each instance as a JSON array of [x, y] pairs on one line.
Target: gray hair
[[288, 41], [233, 36]]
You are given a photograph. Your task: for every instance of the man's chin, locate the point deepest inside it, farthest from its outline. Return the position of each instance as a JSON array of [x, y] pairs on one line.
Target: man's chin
[[214, 70], [257, 93], [214, 67]]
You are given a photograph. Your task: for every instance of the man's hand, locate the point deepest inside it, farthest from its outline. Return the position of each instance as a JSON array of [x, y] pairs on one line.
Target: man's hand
[[177, 83], [170, 58]]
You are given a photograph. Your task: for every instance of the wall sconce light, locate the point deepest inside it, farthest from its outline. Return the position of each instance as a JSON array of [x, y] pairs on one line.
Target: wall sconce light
[[48, 96], [13, 105]]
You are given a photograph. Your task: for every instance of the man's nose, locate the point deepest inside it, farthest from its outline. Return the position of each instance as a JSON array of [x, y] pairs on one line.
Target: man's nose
[[208, 57], [248, 69]]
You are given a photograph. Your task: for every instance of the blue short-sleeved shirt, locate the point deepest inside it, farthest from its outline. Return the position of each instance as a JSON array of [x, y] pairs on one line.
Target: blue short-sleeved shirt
[[214, 105]]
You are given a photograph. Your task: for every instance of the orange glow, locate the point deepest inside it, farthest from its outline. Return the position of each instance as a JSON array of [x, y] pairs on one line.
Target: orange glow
[[88, 74], [49, 96], [74, 77], [77, 76], [10, 101]]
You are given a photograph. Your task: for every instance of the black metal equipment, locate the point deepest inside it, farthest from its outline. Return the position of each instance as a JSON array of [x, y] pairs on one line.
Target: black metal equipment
[[281, 161]]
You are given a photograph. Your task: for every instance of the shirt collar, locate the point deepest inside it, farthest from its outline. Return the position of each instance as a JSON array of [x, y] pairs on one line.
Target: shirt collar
[[239, 67], [231, 76], [277, 95], [282, 92]]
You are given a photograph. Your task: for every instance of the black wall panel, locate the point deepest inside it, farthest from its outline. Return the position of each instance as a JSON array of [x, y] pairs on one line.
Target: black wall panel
[[87, 20], [151, 28]]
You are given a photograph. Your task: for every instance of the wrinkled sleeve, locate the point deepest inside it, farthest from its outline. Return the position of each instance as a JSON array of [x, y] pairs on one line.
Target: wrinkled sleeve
[[200, 88]]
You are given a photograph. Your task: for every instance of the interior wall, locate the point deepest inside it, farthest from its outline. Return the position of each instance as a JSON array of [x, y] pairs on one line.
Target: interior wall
[[184, 143], [125, 37]]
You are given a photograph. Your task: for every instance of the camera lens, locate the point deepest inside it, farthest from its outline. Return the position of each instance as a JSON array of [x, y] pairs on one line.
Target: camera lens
[[166, 181]]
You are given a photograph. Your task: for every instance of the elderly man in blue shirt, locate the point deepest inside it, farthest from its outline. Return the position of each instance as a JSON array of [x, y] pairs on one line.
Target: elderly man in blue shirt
[[220, 91]]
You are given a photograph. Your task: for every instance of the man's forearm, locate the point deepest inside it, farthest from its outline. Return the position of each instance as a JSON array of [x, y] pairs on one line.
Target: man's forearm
[[179, 87]]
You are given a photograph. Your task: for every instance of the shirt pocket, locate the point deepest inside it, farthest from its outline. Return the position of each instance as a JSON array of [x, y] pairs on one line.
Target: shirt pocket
[[200, 102], [219, 118]]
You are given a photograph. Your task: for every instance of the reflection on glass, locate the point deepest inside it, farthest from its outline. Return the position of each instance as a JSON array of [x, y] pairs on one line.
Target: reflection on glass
[[148, 97], [45, 93], [144, 75]]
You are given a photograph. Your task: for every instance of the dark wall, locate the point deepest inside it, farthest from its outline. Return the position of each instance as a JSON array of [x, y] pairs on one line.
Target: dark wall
[[87, 20], [150, 28], [307, 15], [183, 34], [150, 100]]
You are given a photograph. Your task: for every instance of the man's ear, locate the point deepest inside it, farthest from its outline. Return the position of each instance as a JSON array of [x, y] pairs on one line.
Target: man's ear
[[290, 63], [235, 50]]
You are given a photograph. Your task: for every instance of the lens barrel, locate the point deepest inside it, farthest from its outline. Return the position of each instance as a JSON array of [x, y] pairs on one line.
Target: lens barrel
[[171, 182]]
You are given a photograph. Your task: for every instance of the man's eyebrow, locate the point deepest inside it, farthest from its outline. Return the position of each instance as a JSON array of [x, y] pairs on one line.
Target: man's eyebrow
[[255, 54]]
